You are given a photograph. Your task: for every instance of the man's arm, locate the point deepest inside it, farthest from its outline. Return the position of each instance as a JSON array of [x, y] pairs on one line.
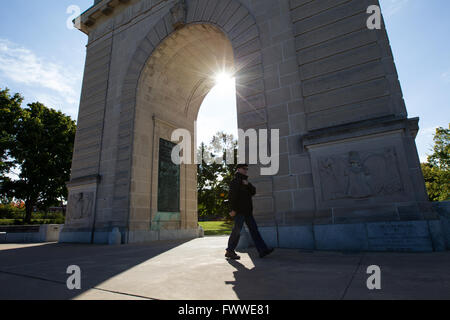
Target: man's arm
[[252, 189], [234, 195]]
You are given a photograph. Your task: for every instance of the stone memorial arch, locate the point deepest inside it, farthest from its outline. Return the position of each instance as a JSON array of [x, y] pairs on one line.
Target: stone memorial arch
[[349, 176]]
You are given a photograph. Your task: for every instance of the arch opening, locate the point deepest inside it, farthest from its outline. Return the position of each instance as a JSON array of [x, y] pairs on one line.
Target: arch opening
[[175, 80]]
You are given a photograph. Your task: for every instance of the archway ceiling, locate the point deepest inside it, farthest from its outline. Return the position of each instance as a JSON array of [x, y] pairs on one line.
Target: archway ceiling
[[181, 70]]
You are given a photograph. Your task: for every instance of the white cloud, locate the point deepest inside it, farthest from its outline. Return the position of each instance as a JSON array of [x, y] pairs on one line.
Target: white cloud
[[391, 7], [22, 66], [58, 103], [446, 76]]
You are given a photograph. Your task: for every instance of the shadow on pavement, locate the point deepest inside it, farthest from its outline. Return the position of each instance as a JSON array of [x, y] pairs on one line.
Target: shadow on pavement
[[265, 280], [198, 270], [296, 275], [39, 272]]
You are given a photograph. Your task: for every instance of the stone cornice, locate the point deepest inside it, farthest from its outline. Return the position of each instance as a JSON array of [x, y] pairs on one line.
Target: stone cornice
[[362, 128], [89, 18], [93, 179]]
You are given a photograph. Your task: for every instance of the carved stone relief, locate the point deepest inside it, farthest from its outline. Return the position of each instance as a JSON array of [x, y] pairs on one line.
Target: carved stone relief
[[359, 175], [81, 205]]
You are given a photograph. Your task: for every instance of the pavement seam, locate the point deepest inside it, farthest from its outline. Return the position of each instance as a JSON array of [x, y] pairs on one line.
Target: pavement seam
[[80, 258], [31, 277], [353, 276], [124, 294], [61, 282]]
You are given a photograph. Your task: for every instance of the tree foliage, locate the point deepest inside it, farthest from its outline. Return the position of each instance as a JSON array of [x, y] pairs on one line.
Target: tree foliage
[[437, 169], [214, 178], [9, 112], [38, 141]]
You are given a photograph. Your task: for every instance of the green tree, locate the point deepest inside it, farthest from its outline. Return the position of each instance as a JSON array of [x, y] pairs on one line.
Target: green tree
[[9, 113], [214, 178], [437, 169], [39, 142]]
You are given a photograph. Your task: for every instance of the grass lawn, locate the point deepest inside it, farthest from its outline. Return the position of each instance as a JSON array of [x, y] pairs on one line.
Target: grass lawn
[[6, 222], [216, 228], [11, 222]]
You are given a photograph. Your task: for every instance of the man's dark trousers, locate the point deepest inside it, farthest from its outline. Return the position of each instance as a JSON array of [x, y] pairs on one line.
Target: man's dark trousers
[[249, 220]]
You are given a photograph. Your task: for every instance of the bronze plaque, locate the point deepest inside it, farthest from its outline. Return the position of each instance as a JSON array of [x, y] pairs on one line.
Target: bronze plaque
[[168, 179]]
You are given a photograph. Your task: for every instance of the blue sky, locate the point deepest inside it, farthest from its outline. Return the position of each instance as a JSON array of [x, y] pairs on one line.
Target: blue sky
[[419, 34], [43, 60]]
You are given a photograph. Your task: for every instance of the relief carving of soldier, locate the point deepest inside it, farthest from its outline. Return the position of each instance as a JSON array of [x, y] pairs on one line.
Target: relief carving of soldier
[[358, 177], [332, 184], [80, 205]]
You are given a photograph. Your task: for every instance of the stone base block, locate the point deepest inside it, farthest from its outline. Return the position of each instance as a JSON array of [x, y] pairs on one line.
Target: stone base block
[[102, 237], [23, 238], [409, 236], [50, 232], [438, 237], [443, 210], [344, 237], [178, 234], [161, 235], [75, 237], [404, 236], [269, 234], [30, 234], [299, 237], [245, 241], [143, 236]]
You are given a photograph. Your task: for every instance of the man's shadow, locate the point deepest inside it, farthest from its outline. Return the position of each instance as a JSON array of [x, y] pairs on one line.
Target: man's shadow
[[251, 284]]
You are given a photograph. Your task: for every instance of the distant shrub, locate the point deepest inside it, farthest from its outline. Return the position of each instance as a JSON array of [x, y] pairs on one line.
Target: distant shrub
[[13, 215], [8, 211], [49, 215]]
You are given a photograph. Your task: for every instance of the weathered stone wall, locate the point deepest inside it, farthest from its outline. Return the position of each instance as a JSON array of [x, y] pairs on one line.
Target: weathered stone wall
[[112, 43], [88, 142], [309, 68], [347, 70], [347, 75]]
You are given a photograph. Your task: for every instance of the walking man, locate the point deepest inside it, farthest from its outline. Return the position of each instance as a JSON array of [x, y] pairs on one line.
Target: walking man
[[241, 193]]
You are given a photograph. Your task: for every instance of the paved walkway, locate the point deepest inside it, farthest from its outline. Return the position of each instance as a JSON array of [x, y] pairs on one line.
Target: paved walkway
[[197, 270]]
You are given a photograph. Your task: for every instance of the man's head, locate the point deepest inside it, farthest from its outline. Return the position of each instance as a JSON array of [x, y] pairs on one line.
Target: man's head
[[243, 169]]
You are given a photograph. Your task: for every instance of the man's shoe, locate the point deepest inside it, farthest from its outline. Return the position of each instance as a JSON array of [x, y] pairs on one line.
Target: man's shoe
[[232, 255], [266, 253]]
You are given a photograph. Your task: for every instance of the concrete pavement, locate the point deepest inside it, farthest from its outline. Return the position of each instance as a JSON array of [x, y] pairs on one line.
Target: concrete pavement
[[197, 270]]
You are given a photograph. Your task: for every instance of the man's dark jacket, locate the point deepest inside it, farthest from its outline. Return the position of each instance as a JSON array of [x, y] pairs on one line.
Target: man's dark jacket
[[240, 195]]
